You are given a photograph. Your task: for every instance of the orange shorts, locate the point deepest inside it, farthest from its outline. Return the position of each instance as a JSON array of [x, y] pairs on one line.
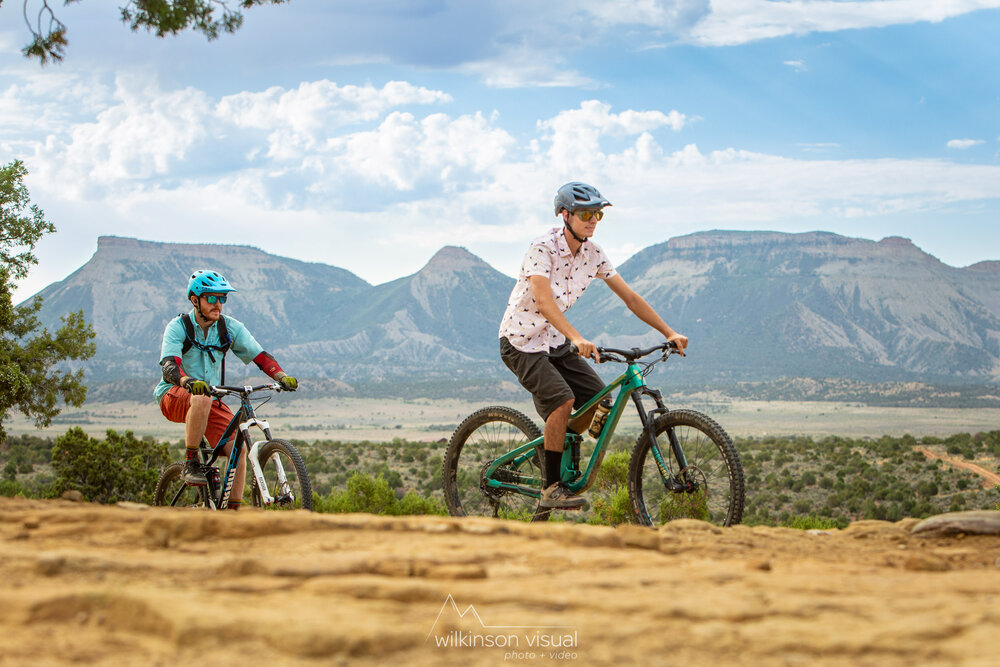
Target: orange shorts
[[175, 405]]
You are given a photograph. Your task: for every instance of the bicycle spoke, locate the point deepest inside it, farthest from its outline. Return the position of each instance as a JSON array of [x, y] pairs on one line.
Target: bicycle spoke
[[712, 483], [173, 492], [482, 438], [285, 478]]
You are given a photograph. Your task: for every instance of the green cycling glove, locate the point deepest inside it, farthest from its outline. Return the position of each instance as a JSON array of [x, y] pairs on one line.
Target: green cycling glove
[[196, 387], [288, 383]]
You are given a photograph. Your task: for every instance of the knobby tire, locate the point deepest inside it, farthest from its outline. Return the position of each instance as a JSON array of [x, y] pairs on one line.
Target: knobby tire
[[295, 472], [713, 463], [170, 482], [485, 435]]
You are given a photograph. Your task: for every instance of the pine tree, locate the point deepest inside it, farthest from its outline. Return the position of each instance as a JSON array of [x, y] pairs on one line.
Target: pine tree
[[29, 379]]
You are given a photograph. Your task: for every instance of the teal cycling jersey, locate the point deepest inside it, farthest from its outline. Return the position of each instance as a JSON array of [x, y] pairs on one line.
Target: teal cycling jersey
[[199, 363]]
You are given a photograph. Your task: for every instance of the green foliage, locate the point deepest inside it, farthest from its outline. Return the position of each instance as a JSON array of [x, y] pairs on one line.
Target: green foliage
[[413, 503], [813, 522], [885, 478], [28, 382], [613, 472], [612, 509], [117, 468], [373, 495], [684, 506], [161, 17], [10, 488]]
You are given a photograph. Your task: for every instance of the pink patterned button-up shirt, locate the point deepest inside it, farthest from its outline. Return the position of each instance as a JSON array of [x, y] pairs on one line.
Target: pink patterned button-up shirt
[[569, 275]]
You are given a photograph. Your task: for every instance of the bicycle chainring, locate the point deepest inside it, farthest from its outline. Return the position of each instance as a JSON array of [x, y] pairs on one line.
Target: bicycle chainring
[[493, 494]]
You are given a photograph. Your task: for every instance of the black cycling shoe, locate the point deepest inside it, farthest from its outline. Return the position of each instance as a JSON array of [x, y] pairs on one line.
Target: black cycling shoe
[[194, 473]]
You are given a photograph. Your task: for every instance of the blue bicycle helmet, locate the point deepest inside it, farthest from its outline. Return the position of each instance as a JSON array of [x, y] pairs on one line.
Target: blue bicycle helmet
[[576, 195], [208, 281]]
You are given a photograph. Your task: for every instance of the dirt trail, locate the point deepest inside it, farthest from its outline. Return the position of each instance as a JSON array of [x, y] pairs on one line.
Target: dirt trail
[[87, 584], [990, 479]]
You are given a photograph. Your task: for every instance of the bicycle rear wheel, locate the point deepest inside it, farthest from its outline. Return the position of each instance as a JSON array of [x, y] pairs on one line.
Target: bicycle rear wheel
[[713, 488], [173, 492], [280, 458], [485, 435]]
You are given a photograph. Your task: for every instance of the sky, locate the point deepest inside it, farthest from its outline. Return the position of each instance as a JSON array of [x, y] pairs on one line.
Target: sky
[[367, 134]]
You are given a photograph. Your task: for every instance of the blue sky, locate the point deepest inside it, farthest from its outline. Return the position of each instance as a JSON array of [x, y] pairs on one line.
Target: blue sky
[[367, 133]]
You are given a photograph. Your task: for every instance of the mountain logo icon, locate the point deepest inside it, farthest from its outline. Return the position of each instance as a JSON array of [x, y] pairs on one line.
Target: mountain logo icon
[[455, 627]]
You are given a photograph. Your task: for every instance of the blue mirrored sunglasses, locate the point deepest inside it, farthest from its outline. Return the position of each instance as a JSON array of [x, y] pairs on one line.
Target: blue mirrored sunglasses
[[212, 298]]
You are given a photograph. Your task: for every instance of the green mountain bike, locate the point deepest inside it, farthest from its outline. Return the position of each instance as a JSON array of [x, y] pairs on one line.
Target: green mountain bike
[[683, 464]]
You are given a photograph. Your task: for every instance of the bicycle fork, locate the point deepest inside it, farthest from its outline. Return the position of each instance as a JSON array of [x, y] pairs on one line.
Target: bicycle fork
[[673, 483]]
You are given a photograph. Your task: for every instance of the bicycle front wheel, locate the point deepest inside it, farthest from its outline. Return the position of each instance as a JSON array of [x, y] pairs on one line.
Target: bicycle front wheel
[[171, 490], [285, 476], [710, 489], [484, 436]]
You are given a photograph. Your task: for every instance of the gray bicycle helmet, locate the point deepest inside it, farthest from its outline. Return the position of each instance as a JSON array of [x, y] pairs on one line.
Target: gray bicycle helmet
[[208, 281], [576, 195]]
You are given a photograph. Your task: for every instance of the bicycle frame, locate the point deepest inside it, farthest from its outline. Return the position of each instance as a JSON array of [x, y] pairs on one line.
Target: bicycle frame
[[239, 427], [633, 385]]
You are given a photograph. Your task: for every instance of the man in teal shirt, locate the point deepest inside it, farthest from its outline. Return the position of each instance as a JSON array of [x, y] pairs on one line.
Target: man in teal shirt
[[187, 374]]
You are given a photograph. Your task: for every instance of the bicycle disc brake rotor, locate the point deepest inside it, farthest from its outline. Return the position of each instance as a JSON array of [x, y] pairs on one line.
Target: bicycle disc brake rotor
[[694, 480]]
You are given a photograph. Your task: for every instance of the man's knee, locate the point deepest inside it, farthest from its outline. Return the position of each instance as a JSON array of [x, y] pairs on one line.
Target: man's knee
[[202, 403], [562, 410]]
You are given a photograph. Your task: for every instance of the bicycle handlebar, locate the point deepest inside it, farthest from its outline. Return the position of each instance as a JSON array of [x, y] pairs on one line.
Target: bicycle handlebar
[[610, 353], [626, 356], [224, 390]]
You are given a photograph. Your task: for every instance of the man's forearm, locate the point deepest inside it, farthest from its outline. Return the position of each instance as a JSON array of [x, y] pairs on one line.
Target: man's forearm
[[550, 311], [641, 309]]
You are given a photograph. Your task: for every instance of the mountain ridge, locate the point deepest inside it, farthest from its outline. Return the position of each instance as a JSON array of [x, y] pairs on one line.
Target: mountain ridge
[[757, 305]]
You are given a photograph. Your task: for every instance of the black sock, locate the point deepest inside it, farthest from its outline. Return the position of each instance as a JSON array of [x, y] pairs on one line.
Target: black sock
[[553, 461]]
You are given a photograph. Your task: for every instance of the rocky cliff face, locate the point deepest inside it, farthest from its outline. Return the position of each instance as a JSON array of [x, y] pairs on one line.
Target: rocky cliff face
[[130, 289], [817, 304], [321, 320], [756, 305], [440, 320]]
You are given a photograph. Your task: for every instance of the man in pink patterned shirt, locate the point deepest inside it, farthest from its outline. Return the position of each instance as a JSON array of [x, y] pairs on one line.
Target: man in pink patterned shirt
[[536, 338]]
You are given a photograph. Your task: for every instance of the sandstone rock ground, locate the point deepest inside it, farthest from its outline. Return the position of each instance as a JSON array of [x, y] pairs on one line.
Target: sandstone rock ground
[[87, 584]]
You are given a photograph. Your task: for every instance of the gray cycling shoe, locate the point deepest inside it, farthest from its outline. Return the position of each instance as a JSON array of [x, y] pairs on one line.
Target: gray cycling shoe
[[556, 496], [194, 473]]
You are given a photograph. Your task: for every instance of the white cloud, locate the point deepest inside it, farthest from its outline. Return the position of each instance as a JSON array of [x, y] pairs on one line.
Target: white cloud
[[575, 135], [819, 147], [299, 120], [797, 65], [527, 67], [673, 15], [740, 21], [321, 104], [143, 132], [962, 144], [48, 103], [392, 179], [404, 151]]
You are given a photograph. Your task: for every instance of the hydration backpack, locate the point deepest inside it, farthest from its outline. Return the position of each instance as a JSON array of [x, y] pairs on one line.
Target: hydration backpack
[[224, 337]]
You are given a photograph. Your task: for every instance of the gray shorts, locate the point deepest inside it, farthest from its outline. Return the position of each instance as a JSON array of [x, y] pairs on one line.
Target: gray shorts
[[552, 377]]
